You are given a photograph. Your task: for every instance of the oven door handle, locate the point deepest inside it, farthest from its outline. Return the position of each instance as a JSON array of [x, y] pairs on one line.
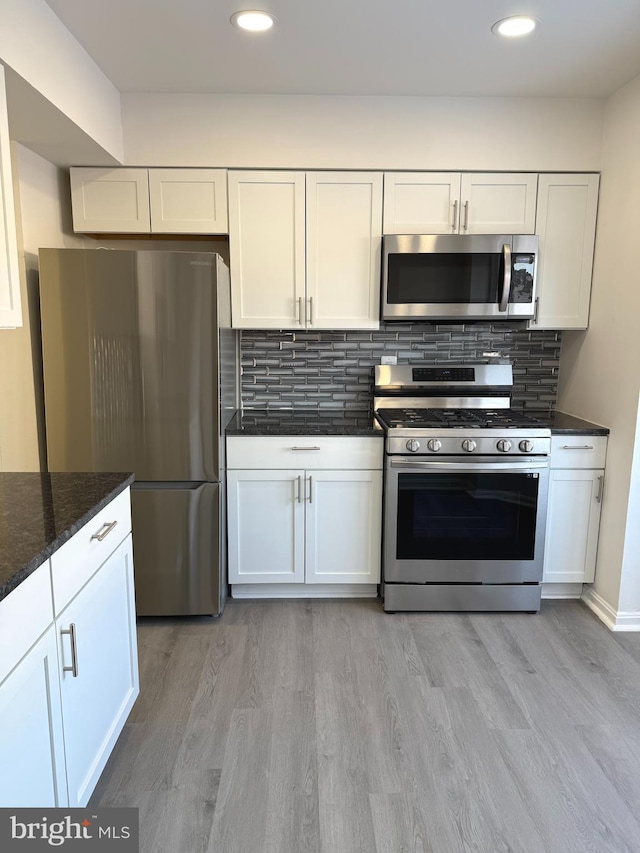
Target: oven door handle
[[468, 465]]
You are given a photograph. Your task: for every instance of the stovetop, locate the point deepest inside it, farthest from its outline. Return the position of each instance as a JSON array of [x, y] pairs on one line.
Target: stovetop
[[428, 418]]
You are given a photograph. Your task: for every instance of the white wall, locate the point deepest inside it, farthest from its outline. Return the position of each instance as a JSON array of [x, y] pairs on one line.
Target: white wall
[[600, 369], [37, 45], [43, 217], [289, 131]]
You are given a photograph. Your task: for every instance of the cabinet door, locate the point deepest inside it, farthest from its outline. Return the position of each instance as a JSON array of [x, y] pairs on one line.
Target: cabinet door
[[343, 526], [97, 699], [344, 239], [32, 745], [498, 204], [10, 306], [188, 201], [573, 522], [110, 200], [421, 203], [267, 249], [566, 227], [265, 518]]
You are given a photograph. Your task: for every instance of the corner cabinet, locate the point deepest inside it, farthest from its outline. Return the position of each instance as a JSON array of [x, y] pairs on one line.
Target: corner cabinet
[[149, 201], [566, 227], [459, 203], [304, 515], [10, 303], [305, 249], [69, 665], [576, 489]]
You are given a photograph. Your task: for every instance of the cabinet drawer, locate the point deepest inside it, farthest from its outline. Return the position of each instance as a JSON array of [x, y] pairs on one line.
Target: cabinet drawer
[[308, 452], [80, 557], [25, 614], [578, 451]]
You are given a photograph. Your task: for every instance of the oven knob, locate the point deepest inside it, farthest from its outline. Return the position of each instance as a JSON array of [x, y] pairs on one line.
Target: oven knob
[[504, 446], [526, 446], [413, 445], [434, 445], [469, 445]]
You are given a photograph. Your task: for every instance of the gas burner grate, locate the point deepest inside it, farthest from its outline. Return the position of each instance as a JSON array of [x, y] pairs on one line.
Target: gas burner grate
[[457, 419]]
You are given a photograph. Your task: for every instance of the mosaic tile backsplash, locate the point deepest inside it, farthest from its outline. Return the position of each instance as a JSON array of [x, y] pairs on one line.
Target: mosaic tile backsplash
[[329, 369]]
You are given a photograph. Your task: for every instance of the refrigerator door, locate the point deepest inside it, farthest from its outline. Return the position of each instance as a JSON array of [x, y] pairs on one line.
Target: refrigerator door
[[177, 549], [130, 352]]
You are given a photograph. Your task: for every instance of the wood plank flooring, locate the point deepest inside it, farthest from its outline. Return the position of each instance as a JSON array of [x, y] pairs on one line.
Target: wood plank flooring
[[330, 726]]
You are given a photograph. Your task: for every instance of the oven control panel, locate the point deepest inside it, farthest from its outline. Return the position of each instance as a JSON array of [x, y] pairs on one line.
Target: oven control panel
[[469, 443]]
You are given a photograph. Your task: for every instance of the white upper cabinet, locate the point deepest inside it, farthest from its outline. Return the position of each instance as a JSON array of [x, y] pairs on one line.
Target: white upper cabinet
[[10, 307], [188, 201], [421, 202], [344, 238], [566, 226], [267, 249], [110, 200], [146, 201], [305, 249], [494, 203], [459, 203]]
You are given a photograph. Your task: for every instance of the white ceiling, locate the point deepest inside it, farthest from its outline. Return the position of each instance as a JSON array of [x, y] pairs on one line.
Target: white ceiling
[[583, 48]]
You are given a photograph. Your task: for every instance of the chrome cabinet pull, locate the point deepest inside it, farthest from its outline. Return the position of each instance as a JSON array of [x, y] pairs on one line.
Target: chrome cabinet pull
[[310, 490], [105, 530], [455, 215], [306, 448], [535, 309], [600, 493], [466, 215], [71, 631], [311, 310], [299, 489], [300, 309], [577, 447]]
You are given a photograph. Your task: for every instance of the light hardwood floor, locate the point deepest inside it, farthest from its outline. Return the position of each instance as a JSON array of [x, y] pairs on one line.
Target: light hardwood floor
[[294, 726]]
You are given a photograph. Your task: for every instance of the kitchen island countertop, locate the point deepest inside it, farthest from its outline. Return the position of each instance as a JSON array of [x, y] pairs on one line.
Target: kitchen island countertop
[[40, 512]]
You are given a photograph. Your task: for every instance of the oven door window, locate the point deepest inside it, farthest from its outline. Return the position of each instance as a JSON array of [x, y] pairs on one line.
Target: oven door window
[[445, 278], [467, 516]]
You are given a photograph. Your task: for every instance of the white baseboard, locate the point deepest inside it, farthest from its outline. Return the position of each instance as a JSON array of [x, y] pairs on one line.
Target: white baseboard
[[561, 590], [615, 620], [300, 590]]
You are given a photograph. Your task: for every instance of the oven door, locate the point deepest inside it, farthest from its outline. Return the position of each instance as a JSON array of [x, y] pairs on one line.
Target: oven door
[[463, 521], [458, 277]]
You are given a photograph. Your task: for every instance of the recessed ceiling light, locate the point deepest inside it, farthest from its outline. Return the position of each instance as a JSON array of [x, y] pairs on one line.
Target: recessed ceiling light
[[517, 26], [253, 20]]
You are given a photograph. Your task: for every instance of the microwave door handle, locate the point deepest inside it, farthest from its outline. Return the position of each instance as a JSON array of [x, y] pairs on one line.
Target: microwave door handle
[[506, 284]]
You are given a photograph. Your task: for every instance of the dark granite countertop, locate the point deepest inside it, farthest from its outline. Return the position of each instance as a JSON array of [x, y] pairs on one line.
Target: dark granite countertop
[[561, 423], [304, 422], [40, 512]]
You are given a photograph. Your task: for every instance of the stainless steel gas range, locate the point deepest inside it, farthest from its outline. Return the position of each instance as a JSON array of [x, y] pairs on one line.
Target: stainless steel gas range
[[466, 481]]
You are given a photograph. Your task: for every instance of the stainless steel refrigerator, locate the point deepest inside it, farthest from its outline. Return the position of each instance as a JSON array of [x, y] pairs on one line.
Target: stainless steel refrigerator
[[141, 374]]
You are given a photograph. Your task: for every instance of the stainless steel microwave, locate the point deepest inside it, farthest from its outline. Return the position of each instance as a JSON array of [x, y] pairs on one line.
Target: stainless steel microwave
[[446, 277]]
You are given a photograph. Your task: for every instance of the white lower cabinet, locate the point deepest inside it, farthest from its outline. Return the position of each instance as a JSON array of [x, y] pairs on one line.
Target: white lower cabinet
[[68, 665], [32, 746], [98, 696], [317, 525], [573, 509]]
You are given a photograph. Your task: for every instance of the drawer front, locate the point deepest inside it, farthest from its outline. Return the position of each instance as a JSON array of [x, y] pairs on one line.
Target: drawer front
[[80, 557], [346, 453], [578, 451], [25, 614]]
